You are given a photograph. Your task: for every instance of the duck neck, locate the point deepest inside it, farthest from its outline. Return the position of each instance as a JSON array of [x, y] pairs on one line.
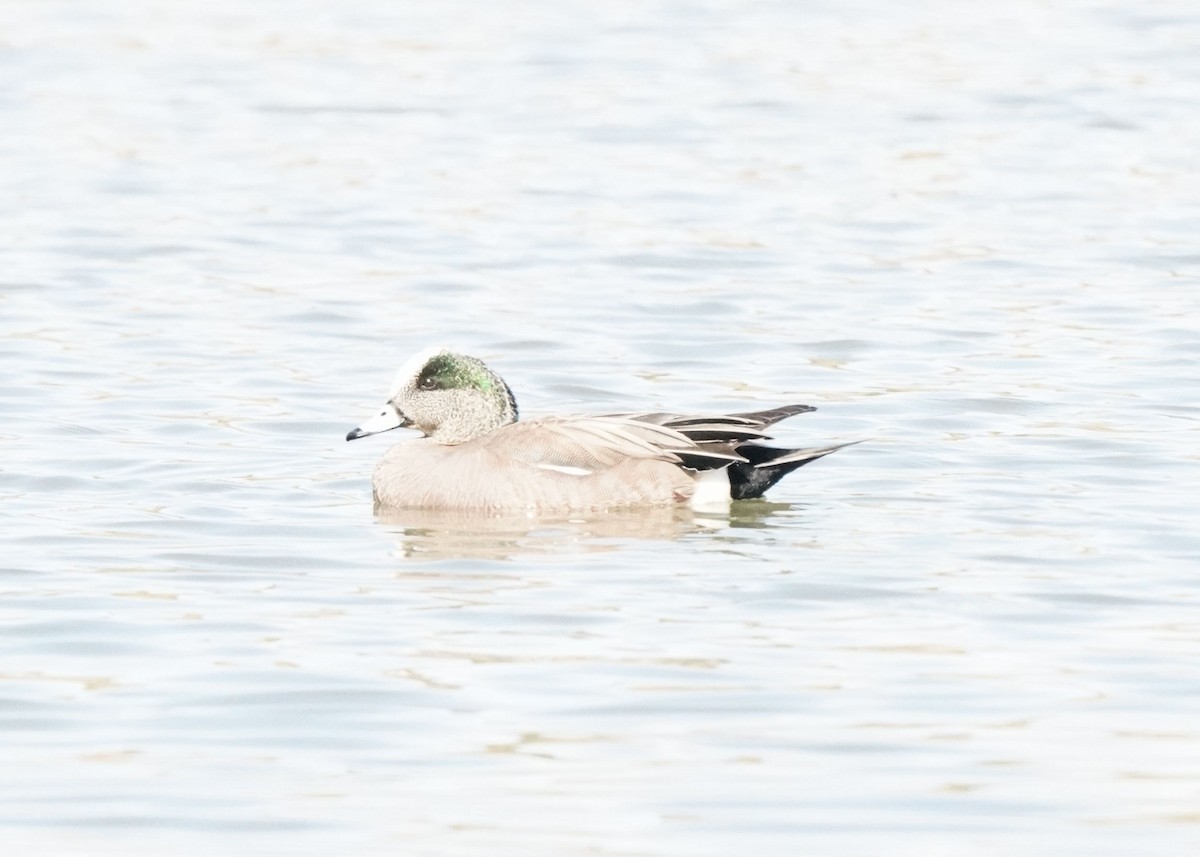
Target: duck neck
[[478, 414]]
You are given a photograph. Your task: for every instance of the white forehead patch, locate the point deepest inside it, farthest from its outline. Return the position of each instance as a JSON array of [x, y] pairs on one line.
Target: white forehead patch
[[413, 366]]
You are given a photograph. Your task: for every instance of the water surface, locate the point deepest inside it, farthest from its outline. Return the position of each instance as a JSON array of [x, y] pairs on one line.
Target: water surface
[[967, 235]]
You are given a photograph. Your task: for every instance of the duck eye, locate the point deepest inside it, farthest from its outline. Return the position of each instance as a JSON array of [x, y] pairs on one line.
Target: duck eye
[[428, 383]]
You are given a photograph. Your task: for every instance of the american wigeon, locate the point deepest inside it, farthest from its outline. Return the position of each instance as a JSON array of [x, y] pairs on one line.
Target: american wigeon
[[475, 456]]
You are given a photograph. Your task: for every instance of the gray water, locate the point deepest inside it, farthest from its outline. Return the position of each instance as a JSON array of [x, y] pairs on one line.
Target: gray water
[[965, 232]]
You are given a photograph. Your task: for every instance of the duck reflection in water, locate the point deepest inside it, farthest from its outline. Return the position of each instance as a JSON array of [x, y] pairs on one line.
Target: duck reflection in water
[[440, 534]]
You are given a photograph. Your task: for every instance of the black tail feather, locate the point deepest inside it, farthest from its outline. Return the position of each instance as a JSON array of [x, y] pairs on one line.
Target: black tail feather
[[732, 441], [757, 474], [769, 417]]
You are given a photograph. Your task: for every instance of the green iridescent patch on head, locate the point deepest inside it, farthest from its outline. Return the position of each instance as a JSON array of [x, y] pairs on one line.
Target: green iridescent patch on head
[[450, 371]]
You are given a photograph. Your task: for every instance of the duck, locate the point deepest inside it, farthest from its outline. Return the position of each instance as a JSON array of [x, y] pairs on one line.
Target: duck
[[474, 455]]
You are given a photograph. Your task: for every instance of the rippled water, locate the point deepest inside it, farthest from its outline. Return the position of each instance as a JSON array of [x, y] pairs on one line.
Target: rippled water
[[966, 234]]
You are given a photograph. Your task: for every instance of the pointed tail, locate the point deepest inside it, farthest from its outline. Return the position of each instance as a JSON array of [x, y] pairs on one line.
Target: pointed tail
[[765, 465]]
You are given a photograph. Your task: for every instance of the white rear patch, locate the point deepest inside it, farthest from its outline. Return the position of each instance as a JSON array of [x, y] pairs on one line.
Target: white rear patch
[[712, 491], [567, 469]]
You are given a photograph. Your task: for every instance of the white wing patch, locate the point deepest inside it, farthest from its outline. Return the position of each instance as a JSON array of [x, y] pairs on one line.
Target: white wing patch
[[565, 468]]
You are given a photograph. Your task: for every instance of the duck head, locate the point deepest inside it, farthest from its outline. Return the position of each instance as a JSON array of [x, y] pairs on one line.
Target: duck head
[[447, 396]]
